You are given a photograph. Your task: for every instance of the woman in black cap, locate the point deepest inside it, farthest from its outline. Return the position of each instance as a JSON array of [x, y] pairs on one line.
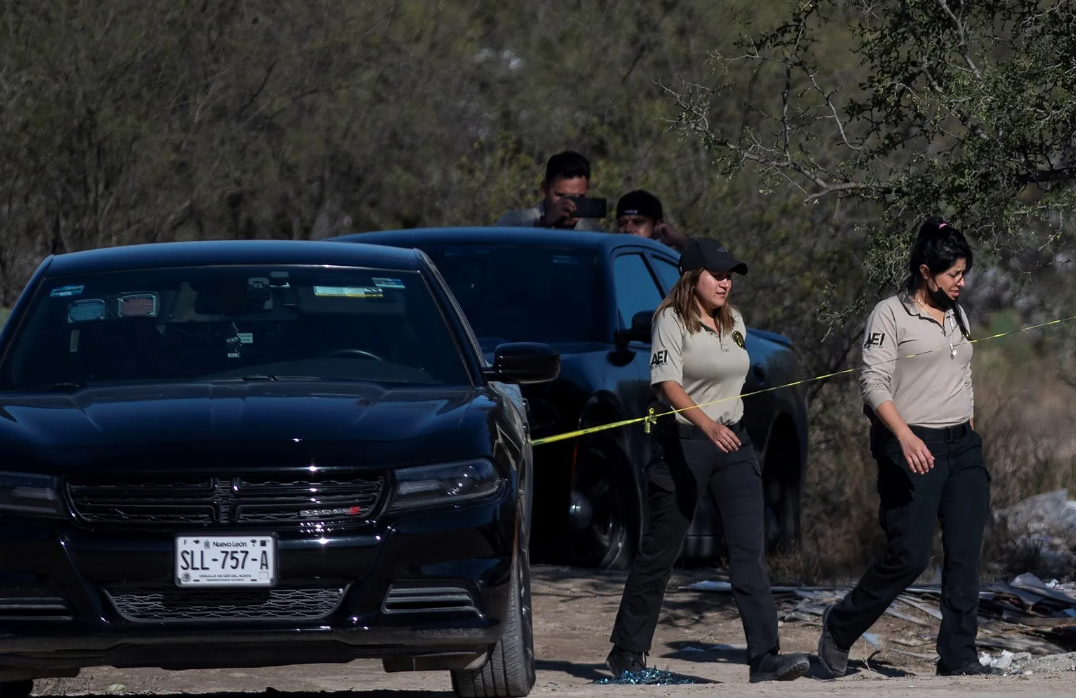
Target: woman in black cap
[[699, 358]]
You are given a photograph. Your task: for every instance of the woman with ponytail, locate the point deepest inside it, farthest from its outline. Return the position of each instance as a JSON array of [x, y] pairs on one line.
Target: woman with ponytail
[[929, 456]]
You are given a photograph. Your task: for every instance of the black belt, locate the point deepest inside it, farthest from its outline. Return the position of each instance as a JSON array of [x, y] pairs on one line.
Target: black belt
[[690, 431], [942, 433]]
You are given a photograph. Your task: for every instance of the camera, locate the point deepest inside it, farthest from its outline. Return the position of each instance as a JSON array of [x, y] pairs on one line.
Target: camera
[[586, 207]]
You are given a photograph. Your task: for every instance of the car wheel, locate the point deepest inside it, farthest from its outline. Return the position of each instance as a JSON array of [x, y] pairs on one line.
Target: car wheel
[[603, 516], [509, 673], [16, 689]]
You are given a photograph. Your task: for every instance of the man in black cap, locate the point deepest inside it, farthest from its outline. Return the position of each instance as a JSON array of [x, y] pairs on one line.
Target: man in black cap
[[639, 213]]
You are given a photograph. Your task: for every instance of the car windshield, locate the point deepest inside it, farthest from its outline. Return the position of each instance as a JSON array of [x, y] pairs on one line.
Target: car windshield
[[524, 293], [233, 323]]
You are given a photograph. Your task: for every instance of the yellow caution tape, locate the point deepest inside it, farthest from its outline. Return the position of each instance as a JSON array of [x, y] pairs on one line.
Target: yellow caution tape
[[652, 418]]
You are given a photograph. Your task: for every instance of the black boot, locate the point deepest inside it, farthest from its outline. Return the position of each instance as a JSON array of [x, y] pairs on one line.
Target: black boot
[[620, 661], [779, 667], [834, 659], [969, 668]]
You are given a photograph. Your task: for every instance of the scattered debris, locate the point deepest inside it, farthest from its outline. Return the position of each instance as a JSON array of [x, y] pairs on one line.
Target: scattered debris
[[720, 647], [1018, 643], [116, 688], [647, 677], [1002, 661], [1043, 612], [1027, 600]]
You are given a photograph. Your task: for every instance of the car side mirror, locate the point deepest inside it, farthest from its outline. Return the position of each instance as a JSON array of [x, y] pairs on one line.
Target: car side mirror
[[524, 362], [641, 326]]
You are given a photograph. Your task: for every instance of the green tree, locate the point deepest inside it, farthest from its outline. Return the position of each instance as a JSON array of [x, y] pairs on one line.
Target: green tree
[[962, 107]]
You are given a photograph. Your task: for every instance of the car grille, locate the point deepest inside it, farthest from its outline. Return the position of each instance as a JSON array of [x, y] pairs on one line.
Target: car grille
[[177, 605], [171, 502]]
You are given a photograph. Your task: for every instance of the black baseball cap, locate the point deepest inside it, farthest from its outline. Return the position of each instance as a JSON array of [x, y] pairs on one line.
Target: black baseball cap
[[709, 254], [639, 203]]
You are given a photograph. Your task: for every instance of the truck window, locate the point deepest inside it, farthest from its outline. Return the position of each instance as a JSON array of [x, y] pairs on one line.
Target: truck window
[[668, 272], [635, 287]]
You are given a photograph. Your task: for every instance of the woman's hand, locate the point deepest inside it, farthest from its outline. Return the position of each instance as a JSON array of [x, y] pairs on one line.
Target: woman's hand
[[722, 436], [919, 458]]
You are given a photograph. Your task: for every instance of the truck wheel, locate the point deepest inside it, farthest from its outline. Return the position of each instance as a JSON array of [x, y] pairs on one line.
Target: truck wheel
[[603, 516], [781, 489], [509, 673], [16, 689]]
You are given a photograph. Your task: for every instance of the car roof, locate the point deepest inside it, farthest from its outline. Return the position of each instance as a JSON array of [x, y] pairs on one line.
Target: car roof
[[494, 234], [213, 252]]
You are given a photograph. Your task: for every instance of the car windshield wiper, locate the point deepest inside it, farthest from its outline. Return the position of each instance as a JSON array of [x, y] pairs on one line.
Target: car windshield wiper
[[271, 377]]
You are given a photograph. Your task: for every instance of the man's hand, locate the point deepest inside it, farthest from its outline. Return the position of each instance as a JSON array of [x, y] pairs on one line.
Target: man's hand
[[559, 214], [669, 235]]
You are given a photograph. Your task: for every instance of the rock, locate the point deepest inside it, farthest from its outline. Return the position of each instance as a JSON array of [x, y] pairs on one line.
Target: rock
[[1043, 526], [1049, 664], [1051, 513]]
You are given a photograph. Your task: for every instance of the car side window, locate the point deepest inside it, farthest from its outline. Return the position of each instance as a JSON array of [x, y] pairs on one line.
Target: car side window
[[636, 289], [668, 272]]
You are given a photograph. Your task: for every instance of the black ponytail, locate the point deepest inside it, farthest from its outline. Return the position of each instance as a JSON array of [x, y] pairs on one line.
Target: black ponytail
[[938, 245]]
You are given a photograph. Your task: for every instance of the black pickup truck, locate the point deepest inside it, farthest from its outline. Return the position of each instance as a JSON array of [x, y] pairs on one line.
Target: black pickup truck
[[591, 296]]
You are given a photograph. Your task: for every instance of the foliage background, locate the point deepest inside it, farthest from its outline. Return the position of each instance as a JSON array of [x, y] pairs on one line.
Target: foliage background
[[135, 121]]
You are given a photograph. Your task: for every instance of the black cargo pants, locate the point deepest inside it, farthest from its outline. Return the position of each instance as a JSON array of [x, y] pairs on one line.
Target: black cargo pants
[[955, 491], [685, 466]]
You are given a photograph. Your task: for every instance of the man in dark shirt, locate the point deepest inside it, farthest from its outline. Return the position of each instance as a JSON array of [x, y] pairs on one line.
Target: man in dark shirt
[[639, 213]]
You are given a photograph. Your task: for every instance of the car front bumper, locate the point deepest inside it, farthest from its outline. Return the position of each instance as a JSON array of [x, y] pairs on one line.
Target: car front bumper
[[433, 584]]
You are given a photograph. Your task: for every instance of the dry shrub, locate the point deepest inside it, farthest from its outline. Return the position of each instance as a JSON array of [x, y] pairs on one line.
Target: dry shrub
[[840, 502], [1024, 410]]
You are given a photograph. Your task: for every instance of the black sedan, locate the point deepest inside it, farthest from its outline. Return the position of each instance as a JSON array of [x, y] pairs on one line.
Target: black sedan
[[592, 296], [243, 454]]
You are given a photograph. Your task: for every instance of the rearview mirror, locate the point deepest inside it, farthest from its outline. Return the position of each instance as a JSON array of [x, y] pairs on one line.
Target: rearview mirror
[[524, 362], [641, 325]]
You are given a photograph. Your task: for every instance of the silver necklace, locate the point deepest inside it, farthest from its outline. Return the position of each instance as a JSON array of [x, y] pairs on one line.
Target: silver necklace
[[948, 335]]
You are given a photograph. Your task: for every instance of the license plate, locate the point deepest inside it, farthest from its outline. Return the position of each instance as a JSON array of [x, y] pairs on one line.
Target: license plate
[[225, 561]]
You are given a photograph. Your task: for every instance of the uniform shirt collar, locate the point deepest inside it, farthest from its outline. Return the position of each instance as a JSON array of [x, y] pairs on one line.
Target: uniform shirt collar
[[913, 308]]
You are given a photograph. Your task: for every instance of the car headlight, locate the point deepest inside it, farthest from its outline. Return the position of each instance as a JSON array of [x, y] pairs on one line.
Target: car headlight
[[23, 493], [431, 485]]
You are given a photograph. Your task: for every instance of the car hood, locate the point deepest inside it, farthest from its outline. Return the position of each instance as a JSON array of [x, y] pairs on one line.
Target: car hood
[[277, 421]]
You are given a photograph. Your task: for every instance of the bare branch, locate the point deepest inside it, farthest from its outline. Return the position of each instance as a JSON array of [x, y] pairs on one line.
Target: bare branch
[[964, 50], [833, 110]]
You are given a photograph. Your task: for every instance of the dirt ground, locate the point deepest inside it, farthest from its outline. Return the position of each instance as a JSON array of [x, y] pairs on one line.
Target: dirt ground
[[573, 613]]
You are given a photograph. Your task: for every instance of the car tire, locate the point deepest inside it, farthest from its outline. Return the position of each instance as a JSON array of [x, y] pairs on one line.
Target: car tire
[[510, 672], [608, 541], [781, 488], [16, 689]]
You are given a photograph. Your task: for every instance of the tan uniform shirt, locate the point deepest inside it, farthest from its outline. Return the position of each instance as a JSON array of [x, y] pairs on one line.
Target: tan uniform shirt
[[933, 390], [708, 366]]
